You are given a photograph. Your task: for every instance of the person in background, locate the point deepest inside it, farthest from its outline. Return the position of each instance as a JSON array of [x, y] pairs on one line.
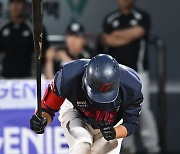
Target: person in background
[[125, 37], [75, 48], [16, 42]]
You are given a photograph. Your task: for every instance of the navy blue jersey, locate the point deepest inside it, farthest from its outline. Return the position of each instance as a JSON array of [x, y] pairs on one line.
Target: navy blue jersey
[[127, 106]]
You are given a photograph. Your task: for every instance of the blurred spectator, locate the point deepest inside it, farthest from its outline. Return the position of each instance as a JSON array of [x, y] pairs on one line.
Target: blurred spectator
[[75, 48], [125, 38], [16, 42]]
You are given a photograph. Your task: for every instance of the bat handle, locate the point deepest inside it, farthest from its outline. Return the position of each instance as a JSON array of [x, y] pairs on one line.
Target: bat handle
[[38, 77]]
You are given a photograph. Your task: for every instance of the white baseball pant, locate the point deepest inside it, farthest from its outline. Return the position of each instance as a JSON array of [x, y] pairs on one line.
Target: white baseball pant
[[81, 137]]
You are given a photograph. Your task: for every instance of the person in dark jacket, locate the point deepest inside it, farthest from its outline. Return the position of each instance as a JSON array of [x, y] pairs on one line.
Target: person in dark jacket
[[16, 42]]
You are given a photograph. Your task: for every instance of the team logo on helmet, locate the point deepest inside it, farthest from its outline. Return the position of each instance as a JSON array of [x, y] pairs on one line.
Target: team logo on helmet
[[105, 87]]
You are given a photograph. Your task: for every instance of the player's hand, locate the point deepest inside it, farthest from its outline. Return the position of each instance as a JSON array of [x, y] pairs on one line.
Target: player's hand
[[38, 124], [108, 131]]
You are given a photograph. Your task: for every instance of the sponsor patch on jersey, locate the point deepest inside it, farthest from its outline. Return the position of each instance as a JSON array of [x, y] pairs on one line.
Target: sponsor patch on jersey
[[81, 104]]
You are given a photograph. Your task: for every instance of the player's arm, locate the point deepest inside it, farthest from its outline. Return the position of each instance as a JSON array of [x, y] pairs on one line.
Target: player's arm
[[110, 133], [51, 103], [130, 121], [121, 131], [123, 37], [131, 114], [47, 116]]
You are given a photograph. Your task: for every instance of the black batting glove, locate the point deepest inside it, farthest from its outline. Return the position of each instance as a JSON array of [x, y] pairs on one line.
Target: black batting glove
[[107, 131], [38, 124]]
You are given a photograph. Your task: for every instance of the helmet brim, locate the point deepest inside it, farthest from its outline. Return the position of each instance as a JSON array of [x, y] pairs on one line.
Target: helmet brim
[[101, 97]]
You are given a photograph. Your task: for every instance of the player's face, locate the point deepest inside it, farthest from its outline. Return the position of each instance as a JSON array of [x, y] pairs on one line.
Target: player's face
[[75, 44], [16, 9], [126, 3]]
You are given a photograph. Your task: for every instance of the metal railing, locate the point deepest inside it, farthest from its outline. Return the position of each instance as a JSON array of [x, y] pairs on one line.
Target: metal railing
[[161, 83]]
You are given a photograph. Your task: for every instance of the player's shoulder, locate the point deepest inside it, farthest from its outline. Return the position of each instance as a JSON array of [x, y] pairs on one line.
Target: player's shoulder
[[112, 16], [75, 67], [76, 63], [70, 76], [129, 78]]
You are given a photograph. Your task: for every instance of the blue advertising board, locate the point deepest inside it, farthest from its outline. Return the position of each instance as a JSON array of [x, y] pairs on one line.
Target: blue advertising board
[[16, 137]]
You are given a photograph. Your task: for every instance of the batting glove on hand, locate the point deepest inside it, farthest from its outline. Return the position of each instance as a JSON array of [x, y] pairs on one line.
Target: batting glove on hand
[[108, 131], [38, 124]]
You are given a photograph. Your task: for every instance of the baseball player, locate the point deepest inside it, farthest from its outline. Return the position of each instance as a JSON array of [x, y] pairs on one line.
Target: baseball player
[[100, 104]]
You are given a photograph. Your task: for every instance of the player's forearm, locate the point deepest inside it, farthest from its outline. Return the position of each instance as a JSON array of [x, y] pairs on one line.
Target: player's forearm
[[121, 131], [51, 102], [47, 116]]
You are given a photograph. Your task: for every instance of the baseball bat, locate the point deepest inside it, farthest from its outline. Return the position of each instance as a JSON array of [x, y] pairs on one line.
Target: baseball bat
[[37, 9]]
